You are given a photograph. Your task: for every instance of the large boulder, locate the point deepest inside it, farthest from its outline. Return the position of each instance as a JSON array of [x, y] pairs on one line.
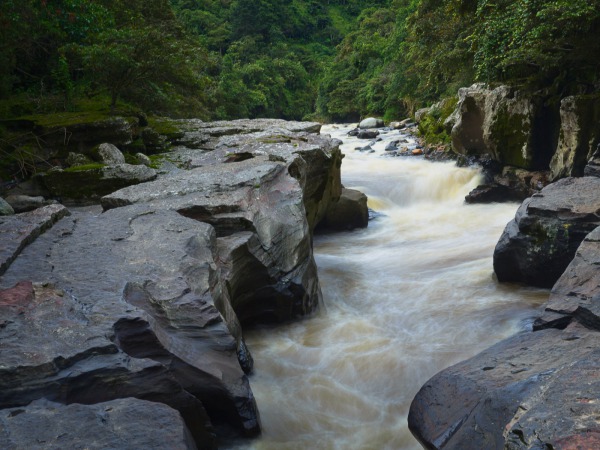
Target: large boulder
[[513, 128], [370, 122], [348, 213], [146, 299], [540, 242], [532, 391], [124, 423], [579, 135], [538, 389]]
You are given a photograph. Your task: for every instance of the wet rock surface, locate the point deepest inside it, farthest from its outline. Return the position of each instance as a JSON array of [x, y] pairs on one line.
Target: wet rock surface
[[538, 245], [123, 424], [539, 388], [534, 390], [146, 298], [349, 212]]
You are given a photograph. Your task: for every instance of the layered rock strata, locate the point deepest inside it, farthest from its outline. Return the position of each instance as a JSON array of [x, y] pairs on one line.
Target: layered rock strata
[[145, 299]]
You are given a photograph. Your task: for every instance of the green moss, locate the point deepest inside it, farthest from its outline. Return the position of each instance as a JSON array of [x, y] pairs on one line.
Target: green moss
[[166, 127], [431, 127], [93, 166], [512, 132]]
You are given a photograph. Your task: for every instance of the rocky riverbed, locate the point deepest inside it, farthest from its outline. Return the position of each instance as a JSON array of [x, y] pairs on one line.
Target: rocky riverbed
[[134, 308]]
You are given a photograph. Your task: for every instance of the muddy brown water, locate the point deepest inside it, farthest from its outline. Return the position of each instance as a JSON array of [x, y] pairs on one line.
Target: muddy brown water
[[403, 299]]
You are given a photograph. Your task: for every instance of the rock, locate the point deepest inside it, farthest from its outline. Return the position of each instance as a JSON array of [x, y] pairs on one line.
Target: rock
[[575, 296], [534, 390], [513, 128], [34, 187], [370, 122], [537, 246], [417, 152], [520, 183], [77, 159], [5, 208], [492, 193], [592, 169], [367, 134], [146, 299], [392, 146], [143, 159], [24, 203], [89, 185], [579, 135], [124, 423], [353, 132], [108, 154], [81, 134], [421, 113], [348, 213], [406, 123], [18, 231], [366, 148]]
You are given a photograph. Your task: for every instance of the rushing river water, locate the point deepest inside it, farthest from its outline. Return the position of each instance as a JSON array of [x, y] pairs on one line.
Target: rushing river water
[[406, 297]]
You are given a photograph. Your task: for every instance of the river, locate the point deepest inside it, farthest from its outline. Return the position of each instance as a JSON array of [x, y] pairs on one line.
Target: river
[[404, 298]]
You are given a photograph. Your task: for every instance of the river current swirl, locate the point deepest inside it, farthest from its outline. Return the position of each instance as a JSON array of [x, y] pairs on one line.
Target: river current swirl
[[404, 298]]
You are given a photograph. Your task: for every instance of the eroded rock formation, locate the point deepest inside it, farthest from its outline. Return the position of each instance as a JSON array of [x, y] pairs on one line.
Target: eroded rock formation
[[538, 245], [146, 298]]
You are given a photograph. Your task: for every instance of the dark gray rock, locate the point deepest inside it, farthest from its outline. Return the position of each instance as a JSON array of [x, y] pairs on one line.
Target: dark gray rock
[[538, 245], [18, 231], [491, 193], [576, 296], [367, 134], [118, 424], [348, 213], [24, 203], [532, 391], [145, 299], [392, 146]]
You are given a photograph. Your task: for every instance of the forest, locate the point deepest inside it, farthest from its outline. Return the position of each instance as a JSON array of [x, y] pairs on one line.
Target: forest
[[333, 60]]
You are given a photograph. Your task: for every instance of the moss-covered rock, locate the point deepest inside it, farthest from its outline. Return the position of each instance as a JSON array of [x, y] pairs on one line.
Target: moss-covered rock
[[432, 121], [504, 123], [87, 184]]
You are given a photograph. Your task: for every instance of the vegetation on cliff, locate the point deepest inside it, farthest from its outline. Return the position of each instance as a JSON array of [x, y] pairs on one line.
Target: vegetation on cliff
[[334, 60]]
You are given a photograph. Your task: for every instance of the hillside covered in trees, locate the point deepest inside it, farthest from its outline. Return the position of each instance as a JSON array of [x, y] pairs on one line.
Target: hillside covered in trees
[[327, 60]]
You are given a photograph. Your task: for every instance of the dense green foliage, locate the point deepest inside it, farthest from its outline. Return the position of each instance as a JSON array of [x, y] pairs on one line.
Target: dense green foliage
[[333, 60]]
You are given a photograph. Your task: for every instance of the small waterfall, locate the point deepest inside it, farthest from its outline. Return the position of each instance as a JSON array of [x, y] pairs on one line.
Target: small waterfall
[[406, 297]]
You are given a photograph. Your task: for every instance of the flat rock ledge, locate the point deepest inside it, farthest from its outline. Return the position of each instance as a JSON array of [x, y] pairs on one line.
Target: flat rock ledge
[[144, 297], [539, 389]]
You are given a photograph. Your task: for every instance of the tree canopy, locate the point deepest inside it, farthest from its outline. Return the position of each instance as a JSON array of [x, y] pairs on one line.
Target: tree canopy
[[333, 60]]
